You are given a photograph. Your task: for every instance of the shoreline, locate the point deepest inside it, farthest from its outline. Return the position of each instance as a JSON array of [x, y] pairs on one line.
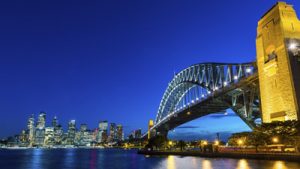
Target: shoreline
[[235, 155]]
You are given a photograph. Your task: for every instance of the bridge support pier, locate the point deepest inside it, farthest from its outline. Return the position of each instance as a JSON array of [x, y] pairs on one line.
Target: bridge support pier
[[277, 45]]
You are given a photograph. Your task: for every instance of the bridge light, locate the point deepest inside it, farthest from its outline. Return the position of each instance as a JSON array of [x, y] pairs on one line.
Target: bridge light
[[193, 101], [292, 46], [225, 83], [248, 70], [197, 98], [202, 96], [209, 92], [235, 77], [188, 113], [216, 88]]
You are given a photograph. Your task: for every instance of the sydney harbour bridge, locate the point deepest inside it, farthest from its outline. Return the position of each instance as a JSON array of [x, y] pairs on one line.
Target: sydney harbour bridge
[[267, 89]]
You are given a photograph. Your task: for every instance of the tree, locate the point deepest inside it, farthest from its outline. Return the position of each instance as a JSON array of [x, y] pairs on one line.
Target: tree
[[158, 142], [181, 144]]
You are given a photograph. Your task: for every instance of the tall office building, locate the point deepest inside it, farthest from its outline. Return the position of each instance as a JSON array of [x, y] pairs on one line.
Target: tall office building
[[40, 130], [83, 127], [31, 130], [39, 136], [54, 122], [58, 134], [49, 136], [84, 136], [71, 132], [23, 138], [102, 135], [119, 133], [112, 132], [137, 134], [103, 125], [41, 120]]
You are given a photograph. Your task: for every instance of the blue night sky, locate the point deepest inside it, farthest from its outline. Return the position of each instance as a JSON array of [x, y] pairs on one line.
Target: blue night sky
[[112, 60]]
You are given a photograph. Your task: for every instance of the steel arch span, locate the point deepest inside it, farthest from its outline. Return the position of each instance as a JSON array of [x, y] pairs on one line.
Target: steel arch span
[[206, 88]]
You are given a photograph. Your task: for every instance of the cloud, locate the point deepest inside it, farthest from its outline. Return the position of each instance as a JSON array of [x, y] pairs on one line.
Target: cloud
[[219, 116], [187, 127]]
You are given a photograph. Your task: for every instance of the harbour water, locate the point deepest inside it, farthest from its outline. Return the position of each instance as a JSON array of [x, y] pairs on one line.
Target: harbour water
[[123, 159]]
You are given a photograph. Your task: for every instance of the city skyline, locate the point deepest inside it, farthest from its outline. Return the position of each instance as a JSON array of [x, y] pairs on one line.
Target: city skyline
[[38, 134], [82, 66]]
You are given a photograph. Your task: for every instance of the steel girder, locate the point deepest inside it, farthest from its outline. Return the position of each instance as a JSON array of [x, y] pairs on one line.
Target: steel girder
[[235, 85]]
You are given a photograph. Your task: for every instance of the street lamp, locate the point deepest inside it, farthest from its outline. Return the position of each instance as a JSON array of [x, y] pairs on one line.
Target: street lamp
[[217, 142], [275, 140], [205, 143], [240, 142], [170, 143]]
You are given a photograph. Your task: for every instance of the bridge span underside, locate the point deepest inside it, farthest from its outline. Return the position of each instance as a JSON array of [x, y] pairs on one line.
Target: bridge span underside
[[204, 89]]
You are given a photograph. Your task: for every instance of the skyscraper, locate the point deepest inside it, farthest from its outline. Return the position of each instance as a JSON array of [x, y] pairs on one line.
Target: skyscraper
[[112, 132], [31, 130], [54, 122], [58, 134], [40, 130], [39, 136], [83, 127], [119, 133], [137, 134], [103, 125], [41, 120], [71, 132], [49, 136]]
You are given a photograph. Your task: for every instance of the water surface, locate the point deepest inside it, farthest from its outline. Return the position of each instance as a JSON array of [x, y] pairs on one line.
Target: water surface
[[123, 159]]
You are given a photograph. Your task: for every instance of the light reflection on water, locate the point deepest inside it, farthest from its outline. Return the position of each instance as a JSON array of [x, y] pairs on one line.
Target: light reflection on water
[[206, 164], [36, 159], [69, 158], [243, 164], [279, 165], [171, 164], [123, 159]]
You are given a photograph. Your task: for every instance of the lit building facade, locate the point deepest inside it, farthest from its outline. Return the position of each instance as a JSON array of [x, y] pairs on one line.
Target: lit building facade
[[58, 134], [39, 137], [150, 125], [278, 62], [54, 122], [119, 133], [102, 135], [49, 136], [41, 120], [112, 132], [31, 130], [71, 132]]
